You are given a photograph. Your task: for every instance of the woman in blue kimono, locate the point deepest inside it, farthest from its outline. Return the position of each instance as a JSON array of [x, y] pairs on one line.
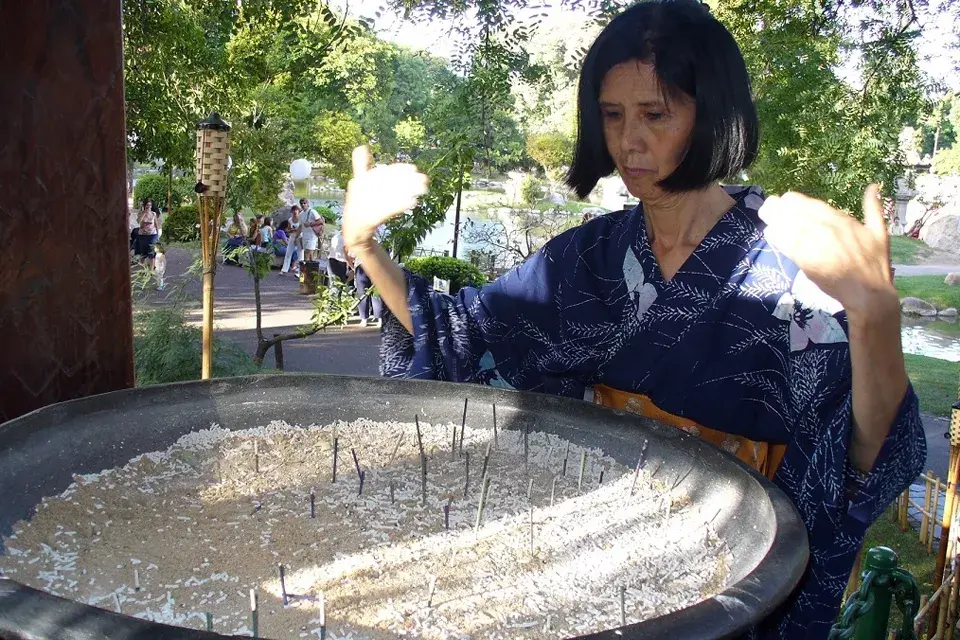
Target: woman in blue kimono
[[769, 326]]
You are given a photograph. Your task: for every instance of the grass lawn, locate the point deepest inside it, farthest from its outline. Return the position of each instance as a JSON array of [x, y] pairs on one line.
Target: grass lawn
[[935, 382], [929, 288], [906, 250]]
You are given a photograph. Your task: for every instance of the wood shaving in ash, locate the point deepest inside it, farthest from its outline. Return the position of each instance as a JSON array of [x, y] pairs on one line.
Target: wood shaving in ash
[[202, 528]]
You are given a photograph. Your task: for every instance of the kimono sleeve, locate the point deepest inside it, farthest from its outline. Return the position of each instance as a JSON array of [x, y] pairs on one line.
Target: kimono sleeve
[[836, 502], [512, 333]]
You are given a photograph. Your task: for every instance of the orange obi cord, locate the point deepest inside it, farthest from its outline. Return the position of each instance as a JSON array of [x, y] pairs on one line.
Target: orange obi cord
[[762, 456]]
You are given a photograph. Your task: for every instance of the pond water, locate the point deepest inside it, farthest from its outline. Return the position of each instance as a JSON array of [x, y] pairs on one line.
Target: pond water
[[933, 338]]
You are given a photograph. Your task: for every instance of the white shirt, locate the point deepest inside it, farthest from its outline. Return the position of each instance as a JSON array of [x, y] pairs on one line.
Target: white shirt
[[338, 248], [306, 219]]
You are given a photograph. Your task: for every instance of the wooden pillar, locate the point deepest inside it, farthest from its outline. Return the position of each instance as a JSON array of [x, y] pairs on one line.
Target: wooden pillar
[[65, 309]]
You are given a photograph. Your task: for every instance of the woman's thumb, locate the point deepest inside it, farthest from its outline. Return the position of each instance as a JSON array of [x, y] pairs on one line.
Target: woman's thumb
[[361, 161]]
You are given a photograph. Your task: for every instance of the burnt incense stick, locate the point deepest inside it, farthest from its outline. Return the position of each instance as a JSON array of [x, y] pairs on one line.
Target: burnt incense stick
[[363, 476], [392, 488], [583, 468], [483, 500], [336, 450], [423, 463], [256, 456], [529, 489], [496, 441], [323, 617], [136, 580], [116, 600], [254, 614], [636, 473], [283, 585], [526, 444], [600, 481], [553, 489], [446, 517], [463, 424], [453, 445], [623, 605], [486, 461], [395, 449], [431, 590], [466, 473], [313, 504], [209, 617], [566, 456], [356, 461]]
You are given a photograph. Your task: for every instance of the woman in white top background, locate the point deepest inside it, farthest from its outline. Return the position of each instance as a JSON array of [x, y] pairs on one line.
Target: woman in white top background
[[293, 231]]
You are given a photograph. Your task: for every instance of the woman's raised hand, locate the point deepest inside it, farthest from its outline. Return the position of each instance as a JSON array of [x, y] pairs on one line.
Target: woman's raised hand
[[376, 195], [848, 260]]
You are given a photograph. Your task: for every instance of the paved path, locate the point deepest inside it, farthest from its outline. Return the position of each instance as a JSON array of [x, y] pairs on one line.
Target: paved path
[[926, 269], [352, 350]]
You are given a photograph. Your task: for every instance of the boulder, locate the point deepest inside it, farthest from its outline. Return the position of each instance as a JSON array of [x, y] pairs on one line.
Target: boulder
[[917, 307], [949, 312], [952, 279]]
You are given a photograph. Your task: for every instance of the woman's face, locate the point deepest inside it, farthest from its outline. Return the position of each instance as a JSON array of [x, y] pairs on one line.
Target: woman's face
[[646, 132]]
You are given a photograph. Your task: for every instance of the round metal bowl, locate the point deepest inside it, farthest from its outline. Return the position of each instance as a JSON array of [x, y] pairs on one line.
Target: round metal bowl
[[40, 452]]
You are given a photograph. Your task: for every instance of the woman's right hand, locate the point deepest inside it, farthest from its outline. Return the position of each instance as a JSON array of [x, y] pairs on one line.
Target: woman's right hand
[[376, 195]]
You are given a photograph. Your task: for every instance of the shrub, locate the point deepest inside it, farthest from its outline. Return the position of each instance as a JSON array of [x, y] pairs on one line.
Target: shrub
[[460, 273], [551, 150], [531, 190], [154, 186], [167, 349], [182, 224]]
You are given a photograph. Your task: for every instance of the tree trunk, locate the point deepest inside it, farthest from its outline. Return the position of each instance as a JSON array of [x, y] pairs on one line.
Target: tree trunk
[[936, 143], [456, 220], [278, 351], [169, 168]]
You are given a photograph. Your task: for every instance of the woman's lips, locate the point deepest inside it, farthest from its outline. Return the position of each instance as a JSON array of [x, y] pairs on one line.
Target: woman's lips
[[636, 172]]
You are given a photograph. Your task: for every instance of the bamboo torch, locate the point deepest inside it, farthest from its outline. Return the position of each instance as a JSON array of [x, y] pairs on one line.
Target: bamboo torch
[[212, 158], [949, 505]]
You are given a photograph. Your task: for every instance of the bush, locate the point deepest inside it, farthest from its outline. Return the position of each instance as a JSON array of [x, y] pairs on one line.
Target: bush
[[460, 273], [154, 186], [551, 150], [531, 190], [182, 224], [167, 349]]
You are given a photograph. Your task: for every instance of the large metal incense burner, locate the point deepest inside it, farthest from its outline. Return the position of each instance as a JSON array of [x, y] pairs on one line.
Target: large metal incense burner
[[40, 453]]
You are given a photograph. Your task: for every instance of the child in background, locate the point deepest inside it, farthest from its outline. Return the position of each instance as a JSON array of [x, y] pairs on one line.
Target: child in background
[[160, 265]]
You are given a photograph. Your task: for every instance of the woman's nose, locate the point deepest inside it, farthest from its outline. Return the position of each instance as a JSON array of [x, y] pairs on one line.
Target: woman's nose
[[634, 136]]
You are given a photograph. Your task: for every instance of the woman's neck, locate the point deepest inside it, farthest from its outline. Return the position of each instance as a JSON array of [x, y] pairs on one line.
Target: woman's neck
[[678, 223]]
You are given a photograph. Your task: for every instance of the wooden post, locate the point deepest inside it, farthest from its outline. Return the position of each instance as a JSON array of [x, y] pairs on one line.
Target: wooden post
[[936, 506], [917, 620], [948, 507], [924, 519]]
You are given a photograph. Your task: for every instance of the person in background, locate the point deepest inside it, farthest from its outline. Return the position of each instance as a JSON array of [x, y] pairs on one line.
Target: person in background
[[253, 234], [266, 233], [311, 230], [282, 241], [160, 269], [235, 237], [337, 263], [148, 233], [291, 257], [363, 283]]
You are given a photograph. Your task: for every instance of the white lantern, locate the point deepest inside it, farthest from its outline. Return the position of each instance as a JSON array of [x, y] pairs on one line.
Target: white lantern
[[300, 169]]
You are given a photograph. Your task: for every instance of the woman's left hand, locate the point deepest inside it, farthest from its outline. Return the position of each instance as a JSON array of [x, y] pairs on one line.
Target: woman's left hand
[[848, 260]]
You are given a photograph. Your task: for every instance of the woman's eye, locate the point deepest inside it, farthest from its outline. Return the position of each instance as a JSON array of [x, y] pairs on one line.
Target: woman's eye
[[655, 116], [610, 115]]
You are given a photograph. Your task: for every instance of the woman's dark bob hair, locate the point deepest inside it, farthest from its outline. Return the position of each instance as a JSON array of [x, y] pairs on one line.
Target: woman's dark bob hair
[[692, 53]]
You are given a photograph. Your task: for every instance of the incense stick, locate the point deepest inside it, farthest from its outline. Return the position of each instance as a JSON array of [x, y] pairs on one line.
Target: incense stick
[[446, 517], [483, 501], [453, 445], [363, 476], [116, 600], [256, 457], [466, 473], [583, 468], [323, 617], [529, 489], [254, 614], [566, 456], [395, 449], [463, 424], [313, 504], [209, 617], [526, 444], [432, 588], [136, 580], [531, 530], [640, 461], [283, 585], [623, 605], [392, 498], [356, 461], [486, 461], [336, 450], [423, 463], [600, 481], [553, 489]]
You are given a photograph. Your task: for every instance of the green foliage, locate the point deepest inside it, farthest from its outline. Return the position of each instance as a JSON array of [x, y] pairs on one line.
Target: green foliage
[[947, 161], [327, 214], [411, 134], [167, 349], [182, 224], [940, 125], [929, 288], [336, 134], [935, 382], [332, 306], [531, 190], [460, 273], [551, 150], [154, 186]]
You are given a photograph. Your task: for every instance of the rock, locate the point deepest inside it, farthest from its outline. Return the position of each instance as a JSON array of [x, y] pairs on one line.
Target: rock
[[917, 307], [943, 232], [952, 279], [950, 312]]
